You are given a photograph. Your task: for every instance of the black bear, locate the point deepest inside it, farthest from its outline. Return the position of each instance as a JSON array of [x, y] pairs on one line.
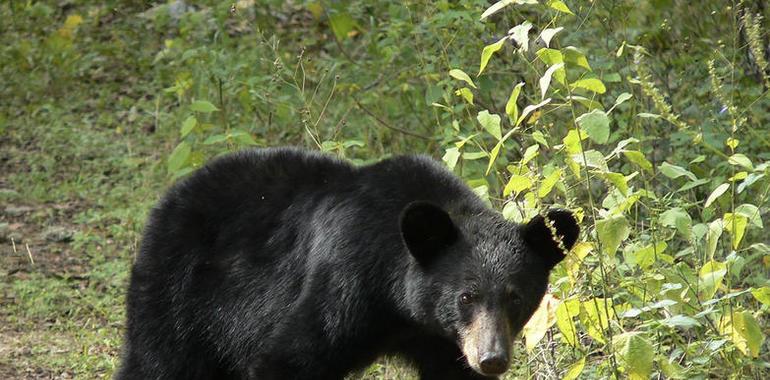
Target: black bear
[[287, 264]]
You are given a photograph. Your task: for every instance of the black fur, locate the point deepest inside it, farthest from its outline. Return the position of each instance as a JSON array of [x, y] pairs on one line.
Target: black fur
[[285, 264]]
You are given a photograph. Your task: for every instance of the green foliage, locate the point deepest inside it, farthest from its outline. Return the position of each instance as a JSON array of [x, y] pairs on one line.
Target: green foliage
[[647, 119]]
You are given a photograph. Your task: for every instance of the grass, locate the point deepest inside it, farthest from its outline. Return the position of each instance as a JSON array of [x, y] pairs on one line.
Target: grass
[[83, 140]]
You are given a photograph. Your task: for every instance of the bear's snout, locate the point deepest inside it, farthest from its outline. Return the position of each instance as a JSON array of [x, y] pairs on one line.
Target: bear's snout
[[486, 343]]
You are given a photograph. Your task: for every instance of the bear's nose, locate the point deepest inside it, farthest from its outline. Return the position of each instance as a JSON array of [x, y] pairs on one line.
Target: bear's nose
[[493, 363]]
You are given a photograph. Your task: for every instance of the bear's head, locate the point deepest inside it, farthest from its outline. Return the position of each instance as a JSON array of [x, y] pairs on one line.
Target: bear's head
[[477, 278]]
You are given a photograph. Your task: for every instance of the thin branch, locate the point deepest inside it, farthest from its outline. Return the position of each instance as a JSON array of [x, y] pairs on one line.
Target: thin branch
[[386, 125]]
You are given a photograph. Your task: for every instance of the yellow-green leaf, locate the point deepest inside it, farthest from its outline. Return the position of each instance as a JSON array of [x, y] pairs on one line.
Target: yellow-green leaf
[[549, 182], [486, 54], [517, 184], [596, 314], [511, 108], [712, 237], [575, 369], [565, 313], [762, 295], [550, 56], [543, 318], [531, 152], [493, 155], [744, 330], [466, 94], [559, 6], [461, 75], [590, 84], [636, 352], [736, 225], [638, 158], [576, 57], [711, 275]]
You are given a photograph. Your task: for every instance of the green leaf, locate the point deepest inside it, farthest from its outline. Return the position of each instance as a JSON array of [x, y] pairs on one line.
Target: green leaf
[[517, 184], [592, 159], [576, 57], [486, 54], [740, 160], [496, 7], [203, 106], [645, 256], [677, 218], [716, 194], [694, 184], [215, 139], [682, 321], [178, 157], [545, 81], [636, 352], [591, 104], [511, 108], [188, 125], [474, 155], [751, 213], [762, 295], [461, 75], [342, 23], [619, 181], [596, 124], [549, 182], [245, 138], [590, 84], [547, 34], [674, 172], [621, 99], [451, 157], [611, 232], [559, 6], [520, 34], [530, 153], [711, 275], [638, 158], [490, 123], [575, 369]]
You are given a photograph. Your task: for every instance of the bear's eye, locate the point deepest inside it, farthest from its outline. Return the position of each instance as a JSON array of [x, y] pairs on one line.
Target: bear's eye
[[466, 298]]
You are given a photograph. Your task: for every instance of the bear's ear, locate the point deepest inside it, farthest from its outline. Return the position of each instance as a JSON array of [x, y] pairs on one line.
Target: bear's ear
[[539, 238], [426, 229]]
